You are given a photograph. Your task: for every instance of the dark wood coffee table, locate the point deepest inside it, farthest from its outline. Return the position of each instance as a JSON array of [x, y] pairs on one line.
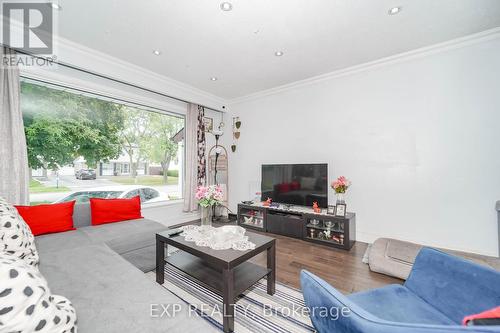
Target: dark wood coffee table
[[226, 272]]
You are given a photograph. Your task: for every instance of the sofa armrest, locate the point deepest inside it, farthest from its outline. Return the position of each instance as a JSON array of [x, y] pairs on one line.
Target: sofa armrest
[[330, 311]]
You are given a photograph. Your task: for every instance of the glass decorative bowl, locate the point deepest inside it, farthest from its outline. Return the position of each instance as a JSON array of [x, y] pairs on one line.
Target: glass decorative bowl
[[314, 222]]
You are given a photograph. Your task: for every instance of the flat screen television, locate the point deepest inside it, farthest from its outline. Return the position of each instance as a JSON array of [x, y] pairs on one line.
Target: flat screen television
[[295, 184]]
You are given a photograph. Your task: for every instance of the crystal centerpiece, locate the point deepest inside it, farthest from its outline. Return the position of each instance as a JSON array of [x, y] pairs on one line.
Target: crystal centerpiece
[[222, 238]]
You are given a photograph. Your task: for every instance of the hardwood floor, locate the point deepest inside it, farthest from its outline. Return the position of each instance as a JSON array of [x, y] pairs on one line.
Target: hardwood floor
[[342, 269]]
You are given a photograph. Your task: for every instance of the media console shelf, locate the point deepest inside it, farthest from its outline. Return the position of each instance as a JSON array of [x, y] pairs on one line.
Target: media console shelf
[[252, 217], [300, 222]]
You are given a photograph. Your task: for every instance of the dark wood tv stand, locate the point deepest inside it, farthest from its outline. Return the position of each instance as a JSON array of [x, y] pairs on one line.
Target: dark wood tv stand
[[300, 222]]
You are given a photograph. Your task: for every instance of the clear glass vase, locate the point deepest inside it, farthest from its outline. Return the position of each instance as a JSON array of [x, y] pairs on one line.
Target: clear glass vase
[[340, 197], [206, 216]]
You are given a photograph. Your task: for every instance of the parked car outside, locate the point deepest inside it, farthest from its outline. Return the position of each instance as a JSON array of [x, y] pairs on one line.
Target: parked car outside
[[147, 194], [85, 174]]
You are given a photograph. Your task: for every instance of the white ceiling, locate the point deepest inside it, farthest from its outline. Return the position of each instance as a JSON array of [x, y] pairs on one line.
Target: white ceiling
[[199, 41]]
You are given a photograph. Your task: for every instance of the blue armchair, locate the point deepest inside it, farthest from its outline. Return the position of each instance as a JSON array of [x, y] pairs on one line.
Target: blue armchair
[[440, 291]]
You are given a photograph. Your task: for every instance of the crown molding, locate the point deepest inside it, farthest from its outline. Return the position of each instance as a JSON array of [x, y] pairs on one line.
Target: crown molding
[[398, 58]]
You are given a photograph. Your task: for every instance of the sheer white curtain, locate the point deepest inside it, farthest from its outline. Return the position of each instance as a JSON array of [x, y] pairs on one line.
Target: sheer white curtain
[[195, 155], [14, 172]]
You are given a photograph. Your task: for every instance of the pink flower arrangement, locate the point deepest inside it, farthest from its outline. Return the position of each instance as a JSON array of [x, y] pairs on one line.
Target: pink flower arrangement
[[208, 196], [341, 184]]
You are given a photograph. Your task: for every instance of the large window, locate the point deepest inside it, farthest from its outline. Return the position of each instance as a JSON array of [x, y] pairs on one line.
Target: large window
[[81, 146]]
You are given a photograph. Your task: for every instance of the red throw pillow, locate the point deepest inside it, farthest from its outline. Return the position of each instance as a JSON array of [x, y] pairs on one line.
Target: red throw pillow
[[115, 210], [284, 187], [47, 219], [489, 317]]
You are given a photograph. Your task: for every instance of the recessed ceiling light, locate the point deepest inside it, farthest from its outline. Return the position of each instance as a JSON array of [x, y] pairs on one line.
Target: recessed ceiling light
[[213, 78], [278, 53], [226, 6], [156, 52], [55, 5], [394, 10]]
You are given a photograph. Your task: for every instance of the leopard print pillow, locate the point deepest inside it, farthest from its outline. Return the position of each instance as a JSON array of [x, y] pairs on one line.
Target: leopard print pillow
[[16, 238], [26, 304]]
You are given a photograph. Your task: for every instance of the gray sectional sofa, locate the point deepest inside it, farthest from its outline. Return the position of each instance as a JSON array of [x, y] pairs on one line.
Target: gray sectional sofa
[[100, 269]]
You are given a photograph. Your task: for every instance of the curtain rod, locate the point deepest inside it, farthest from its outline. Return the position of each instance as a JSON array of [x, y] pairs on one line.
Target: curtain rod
[[115, 80]]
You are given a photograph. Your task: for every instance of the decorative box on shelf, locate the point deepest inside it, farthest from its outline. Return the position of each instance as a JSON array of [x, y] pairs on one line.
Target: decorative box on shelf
[[300, 222], [252, 217]]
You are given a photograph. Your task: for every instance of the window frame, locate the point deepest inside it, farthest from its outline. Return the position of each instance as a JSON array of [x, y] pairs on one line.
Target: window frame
[[124, 98]]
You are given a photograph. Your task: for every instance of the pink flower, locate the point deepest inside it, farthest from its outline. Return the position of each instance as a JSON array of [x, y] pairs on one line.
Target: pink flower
[[341, 184], [209, 195]]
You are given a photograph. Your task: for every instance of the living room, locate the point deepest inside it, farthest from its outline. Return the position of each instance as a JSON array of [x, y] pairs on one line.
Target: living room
[[264, 166]]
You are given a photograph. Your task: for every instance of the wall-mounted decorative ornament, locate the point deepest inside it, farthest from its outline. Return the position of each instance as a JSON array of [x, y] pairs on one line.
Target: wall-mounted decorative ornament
[[236, 132], [221, 124]]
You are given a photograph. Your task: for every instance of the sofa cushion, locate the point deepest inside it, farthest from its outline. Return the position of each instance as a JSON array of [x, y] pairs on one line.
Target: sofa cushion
[[81, 215], [134, 240], [46, 219], [127, 242], [110, 295], [61, 241], [106, 232], [454, 286], [6, 207], [397, 303], [393, 257], [15, 235], [138, 248], [143, 258], [26, 303], [114, 210]]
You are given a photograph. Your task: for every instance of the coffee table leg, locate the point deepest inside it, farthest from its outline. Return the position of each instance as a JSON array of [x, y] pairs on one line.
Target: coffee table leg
[[160, 261], [228, 299], [271, 264]]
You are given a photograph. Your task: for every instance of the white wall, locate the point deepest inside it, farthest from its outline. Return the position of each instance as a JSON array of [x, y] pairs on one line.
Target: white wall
[[419, 138], [169, 214]]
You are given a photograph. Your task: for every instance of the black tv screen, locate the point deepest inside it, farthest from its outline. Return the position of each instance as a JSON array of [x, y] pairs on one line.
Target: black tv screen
[[295, 184]]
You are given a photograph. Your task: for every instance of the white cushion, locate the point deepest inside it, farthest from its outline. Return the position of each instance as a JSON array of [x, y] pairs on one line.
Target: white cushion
[[16, 238], [26, 304]]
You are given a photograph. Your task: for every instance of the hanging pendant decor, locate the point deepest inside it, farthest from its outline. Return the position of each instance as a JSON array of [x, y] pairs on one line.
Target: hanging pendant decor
[[236, 132]]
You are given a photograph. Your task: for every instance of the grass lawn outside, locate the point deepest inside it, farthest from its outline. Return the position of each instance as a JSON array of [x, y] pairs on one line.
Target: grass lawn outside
[[37, 187], [144, 180], [36, 203]]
